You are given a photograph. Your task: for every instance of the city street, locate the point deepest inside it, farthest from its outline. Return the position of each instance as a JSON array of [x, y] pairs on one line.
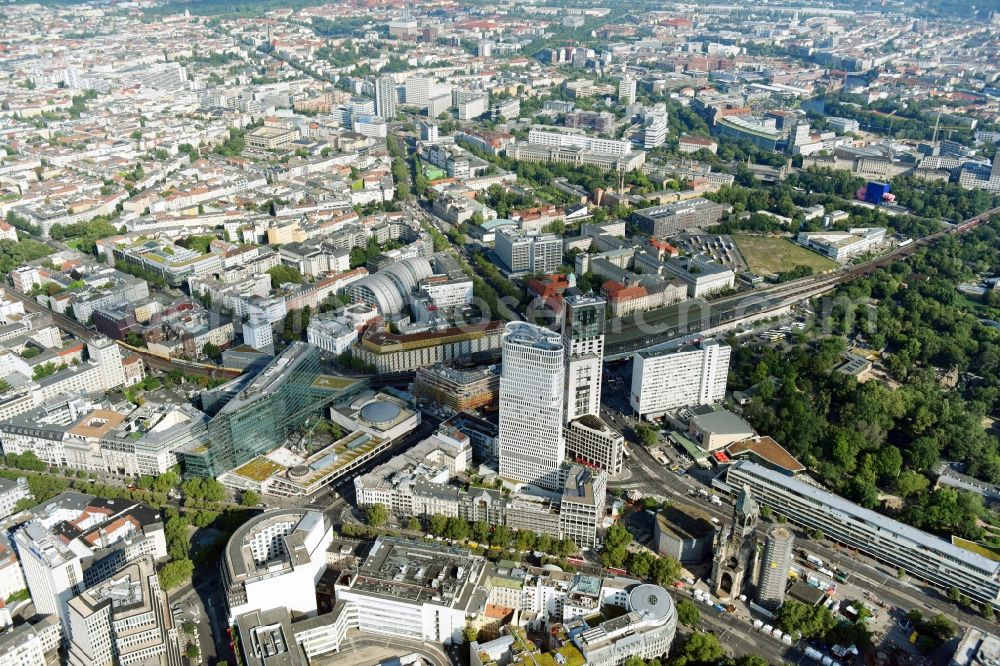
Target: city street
[[201, 601], [741, 639], [644, 474], [226, 226]]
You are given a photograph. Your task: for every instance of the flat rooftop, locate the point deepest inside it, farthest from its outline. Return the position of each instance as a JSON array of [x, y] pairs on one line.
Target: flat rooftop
[[681, 346], [421, 572], [886, 527], [685, 521], [267, 639], [333, 382], [533, 336], [579, 487], [721, 422], [239, 557]]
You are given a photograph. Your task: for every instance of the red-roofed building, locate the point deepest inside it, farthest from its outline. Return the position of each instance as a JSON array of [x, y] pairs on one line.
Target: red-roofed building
[[494, 617], [663, 249], [548, 290], [729, 111], [533, 220], [624, 299], [135, 372], [677, 23], [765, 451], [491, 142]]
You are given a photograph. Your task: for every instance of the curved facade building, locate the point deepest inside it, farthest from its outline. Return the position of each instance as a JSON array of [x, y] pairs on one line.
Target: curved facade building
[[390, 288], [276, 559], [531, 405], [646, 630]]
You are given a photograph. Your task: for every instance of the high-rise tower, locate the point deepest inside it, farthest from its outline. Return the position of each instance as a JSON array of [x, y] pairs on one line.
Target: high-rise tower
[[774, 566], [589, 440], [385, 97], [583, 342], [626, 90], [108, 355], [531, 405]]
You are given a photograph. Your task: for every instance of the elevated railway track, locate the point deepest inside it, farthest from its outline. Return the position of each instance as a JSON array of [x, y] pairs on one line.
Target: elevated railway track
[[623, 337], [696, 316]]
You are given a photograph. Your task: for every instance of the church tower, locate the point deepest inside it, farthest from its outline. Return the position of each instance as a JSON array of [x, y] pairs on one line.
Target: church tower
[[735, 548]]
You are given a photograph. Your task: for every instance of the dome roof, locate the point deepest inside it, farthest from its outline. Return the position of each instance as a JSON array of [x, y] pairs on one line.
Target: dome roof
[[390, 288], [299, 472], [651, 602], [380, 412]]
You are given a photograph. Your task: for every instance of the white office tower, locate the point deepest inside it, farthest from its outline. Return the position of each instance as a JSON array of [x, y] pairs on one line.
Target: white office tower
[[258, 334], [429, 132], [124, 620], [521, 253], [51, 569], [473, 108], [418, 90], [385, 97], [583, 341], [108, 357], [360, 106], [680, 374], [626, 90], [798, 136], [531, 405], [654, 131], [276, 559]]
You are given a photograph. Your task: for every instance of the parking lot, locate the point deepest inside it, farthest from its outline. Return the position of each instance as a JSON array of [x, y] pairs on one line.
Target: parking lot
[[187, 618], [721, 248]]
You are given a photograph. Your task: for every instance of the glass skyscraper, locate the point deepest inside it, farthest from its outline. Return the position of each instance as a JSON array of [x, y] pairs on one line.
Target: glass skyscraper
[[261, 416]]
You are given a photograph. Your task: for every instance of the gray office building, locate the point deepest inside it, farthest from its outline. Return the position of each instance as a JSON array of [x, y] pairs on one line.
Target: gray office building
[[520, 253], [674, 218]]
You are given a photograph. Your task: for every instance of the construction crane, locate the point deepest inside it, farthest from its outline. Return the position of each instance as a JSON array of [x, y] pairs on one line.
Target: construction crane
[[950, 128]]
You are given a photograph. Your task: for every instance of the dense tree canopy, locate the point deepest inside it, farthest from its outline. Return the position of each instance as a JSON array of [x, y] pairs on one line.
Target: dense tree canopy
[[696, 649], [14, 254], [282, 274], [865, 438]]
